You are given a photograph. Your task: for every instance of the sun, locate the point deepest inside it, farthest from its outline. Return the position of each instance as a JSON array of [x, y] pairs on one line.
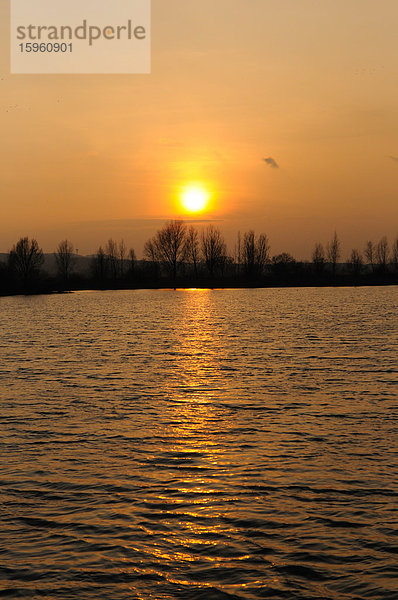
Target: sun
[[194, 198]]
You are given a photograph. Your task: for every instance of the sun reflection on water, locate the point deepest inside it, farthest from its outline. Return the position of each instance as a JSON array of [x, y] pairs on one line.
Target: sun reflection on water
[[196, 375], [194, 389]]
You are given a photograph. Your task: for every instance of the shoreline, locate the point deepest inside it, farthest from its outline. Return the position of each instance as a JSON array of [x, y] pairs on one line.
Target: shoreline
[[179, 288]]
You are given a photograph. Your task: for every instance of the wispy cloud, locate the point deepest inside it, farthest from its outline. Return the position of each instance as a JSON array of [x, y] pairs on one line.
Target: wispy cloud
[[271, 162], [394, 158]]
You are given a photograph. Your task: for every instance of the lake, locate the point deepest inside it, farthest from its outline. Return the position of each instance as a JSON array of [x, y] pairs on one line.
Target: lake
[[197, 444]]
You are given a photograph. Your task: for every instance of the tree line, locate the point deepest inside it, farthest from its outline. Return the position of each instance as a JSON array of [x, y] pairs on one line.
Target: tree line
[[184, 256]]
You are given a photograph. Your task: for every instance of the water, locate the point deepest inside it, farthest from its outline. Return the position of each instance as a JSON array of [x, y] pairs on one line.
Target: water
[[200, 445]]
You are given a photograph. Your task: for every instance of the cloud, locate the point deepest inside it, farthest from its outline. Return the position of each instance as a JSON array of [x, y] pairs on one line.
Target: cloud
[[271, 162], [394, 158]]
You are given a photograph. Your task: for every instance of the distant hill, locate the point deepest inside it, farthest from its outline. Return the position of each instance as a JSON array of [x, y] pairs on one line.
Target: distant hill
[[82, 265]]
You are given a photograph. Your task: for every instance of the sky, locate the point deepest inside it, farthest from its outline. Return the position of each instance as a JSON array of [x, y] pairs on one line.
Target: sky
[[310, 85]]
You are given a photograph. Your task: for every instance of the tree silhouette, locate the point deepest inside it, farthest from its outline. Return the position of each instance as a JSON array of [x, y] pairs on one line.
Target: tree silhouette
[[168, 246], [238, 253], [122, 258], [370, 254], [333, 252], [174, 244], [132, 261], [283, 264], [382, 253], [151, 255], [318, 258], [355, 262], [100, 265], [112, 255], [255, 253], [65, 259], [25, 259], [191, 249], [213, 249], [263, 251]]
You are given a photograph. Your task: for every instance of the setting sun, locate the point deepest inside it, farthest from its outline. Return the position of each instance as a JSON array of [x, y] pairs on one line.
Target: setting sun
[[194, 198]]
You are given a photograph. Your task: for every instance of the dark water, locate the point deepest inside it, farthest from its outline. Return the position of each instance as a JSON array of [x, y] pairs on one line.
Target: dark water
[[200, 445]]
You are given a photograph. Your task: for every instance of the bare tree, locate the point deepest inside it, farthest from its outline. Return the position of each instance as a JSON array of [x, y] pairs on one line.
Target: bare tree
[[122, 258], [333, 252], [239, 252], [192, 248], [150, 254], [65, 259], [283, 264], [318, 258], [132, 261], [249, 252], [355, 262], [213, 249], [150, 250], [26, 258], [382, 253], [263, 251], [100, 264], [168, 245], [112, 254], [370, 254], [255, 253]]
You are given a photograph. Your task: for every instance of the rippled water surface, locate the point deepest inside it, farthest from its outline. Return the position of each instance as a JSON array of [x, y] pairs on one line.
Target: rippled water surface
[[200, 445]]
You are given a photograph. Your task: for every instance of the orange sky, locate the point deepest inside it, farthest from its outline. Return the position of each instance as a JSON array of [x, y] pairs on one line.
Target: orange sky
[[314, 85]]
